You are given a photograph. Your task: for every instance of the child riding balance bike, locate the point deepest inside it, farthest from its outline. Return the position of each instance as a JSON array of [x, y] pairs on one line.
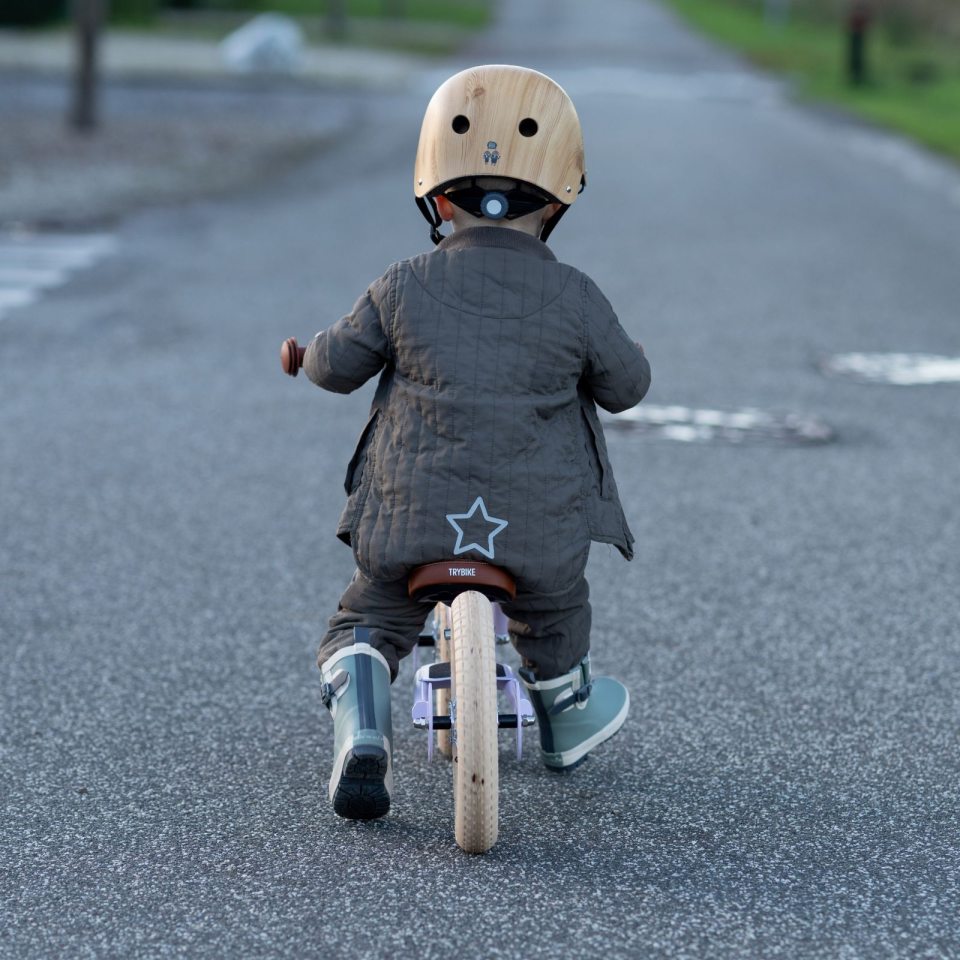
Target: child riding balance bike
[[483, 444]]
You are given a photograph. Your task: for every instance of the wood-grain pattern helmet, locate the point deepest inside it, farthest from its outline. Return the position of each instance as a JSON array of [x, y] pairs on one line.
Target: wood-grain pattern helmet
[[506, 122]]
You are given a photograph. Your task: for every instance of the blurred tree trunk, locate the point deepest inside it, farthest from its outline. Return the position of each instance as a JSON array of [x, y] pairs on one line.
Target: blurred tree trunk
[[859, 16], [88, 22], [337, 18]]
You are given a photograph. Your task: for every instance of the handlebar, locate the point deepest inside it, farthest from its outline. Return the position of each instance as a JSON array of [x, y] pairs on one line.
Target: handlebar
[[291, 356]]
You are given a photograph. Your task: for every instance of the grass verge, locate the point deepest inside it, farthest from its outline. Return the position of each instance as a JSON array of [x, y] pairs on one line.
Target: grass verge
[[430, 27], [914, 84], [458, 13]]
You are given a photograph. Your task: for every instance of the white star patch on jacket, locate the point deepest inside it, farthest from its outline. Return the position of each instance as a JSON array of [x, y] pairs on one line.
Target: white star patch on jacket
[[497, 525]]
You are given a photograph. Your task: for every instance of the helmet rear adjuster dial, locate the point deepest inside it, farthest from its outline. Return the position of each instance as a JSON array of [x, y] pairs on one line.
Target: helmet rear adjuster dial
[[495, 205]]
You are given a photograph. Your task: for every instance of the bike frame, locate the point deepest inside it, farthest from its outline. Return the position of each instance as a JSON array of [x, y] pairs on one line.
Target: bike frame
[[435, 676]]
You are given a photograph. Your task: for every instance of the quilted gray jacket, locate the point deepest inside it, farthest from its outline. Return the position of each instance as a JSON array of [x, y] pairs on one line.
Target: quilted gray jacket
[[483, 440]]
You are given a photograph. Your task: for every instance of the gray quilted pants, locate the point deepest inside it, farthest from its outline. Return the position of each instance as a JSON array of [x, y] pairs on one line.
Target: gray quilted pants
[[551, 633]]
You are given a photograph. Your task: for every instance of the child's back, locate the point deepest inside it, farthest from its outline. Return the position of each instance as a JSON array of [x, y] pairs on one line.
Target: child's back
[[493, 355]]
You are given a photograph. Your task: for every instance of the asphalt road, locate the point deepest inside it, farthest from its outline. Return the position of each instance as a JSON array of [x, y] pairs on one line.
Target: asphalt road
[[787, 782]]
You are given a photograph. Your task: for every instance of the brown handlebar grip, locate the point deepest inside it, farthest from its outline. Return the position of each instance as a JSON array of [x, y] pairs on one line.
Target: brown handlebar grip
[[291, 356]]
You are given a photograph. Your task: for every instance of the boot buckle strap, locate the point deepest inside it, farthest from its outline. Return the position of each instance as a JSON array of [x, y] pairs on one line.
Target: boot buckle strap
[[333, 689], [580, 695]]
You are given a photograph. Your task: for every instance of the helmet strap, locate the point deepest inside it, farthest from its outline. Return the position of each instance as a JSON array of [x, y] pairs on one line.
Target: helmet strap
[[551, 222], [429, 210], [555, 219]]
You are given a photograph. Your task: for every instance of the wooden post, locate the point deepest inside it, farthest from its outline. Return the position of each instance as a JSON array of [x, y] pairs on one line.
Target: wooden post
[[858, 23], [337, 18], [88, 22]]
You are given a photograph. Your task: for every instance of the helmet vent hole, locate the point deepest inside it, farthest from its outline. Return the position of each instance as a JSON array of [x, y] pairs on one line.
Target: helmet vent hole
[[528, 127], [460, 124]]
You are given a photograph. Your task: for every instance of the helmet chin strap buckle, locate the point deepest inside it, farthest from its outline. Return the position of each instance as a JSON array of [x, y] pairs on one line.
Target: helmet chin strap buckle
[[494, 205]]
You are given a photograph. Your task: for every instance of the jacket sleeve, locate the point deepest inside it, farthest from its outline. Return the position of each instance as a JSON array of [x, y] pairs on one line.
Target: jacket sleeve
[[616, 371], [346, 355]]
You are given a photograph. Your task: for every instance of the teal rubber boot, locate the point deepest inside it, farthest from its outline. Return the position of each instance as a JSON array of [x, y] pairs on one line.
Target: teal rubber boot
[[356, 691], [575, 714]]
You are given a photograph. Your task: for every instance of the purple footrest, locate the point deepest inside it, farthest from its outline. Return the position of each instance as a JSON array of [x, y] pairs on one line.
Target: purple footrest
[[435, 676]]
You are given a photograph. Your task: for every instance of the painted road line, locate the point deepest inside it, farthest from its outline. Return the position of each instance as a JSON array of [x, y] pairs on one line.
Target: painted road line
[[16, 297], [32, 263], [899, 369], [82, 254], [689, 425], [31, 277]]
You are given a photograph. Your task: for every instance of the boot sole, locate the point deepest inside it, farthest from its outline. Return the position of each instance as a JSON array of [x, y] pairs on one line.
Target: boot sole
[[361, 792]]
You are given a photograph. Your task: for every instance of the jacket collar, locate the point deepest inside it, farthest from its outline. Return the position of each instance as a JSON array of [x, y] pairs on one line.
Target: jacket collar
[[502, 237]]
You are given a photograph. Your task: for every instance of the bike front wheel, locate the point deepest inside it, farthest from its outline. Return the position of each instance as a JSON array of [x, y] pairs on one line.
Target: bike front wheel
[[475, 769]]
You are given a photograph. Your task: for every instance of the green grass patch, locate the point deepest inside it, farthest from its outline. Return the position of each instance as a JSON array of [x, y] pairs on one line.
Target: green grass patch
[[458, 13], [432, 27], [914, 80]]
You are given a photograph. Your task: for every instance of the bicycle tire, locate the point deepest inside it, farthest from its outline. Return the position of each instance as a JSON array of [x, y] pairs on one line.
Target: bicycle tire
[[442, 615], [475, 768]]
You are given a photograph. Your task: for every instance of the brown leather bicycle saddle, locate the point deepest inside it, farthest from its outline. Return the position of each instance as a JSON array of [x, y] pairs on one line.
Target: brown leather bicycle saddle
[[442, 581]]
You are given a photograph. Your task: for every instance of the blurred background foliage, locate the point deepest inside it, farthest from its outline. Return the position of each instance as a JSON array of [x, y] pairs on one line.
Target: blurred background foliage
[[903, 20], [31, 13], [912, 55], [466, 13], [431, 27]]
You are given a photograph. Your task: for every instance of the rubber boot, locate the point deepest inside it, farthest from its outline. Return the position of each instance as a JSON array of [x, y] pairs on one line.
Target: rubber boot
[[575, 714], [356, 691]]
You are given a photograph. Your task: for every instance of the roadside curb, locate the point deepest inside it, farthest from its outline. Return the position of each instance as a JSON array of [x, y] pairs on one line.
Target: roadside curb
[[130, 55]]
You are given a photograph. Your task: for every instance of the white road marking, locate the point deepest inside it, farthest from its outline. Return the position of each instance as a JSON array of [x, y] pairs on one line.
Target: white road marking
[[16, 297], [31, 263], [31, 277], [689, 425], [899, 369]]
